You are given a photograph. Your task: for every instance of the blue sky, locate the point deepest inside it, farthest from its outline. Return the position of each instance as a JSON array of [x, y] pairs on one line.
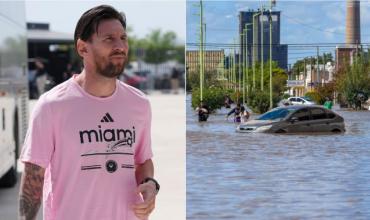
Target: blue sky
[[301, 22]]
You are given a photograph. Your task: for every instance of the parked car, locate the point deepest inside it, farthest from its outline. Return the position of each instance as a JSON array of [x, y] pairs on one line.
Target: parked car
[[300, 101], [294, 119]]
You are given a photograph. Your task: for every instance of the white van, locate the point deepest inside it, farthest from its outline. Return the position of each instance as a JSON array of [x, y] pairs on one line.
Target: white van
[[13, 88]]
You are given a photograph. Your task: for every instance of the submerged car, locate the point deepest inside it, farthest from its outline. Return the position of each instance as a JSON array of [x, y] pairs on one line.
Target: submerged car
[[295, 119]]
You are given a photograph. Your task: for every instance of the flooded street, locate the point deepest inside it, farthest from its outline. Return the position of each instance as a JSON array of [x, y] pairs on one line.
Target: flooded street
[[268, 176]]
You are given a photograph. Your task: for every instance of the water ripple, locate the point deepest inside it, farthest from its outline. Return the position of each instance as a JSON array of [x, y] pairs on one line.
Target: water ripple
[[265, 176]]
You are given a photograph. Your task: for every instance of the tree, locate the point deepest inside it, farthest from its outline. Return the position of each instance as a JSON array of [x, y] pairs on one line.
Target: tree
[[156, 47], [159, 46], [353, 79], [298, 66]]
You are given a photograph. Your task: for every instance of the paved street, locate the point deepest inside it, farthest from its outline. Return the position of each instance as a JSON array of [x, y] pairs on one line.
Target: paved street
[[168, 135]]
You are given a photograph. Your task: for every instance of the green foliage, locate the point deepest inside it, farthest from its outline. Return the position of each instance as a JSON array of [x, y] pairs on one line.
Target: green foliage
[[210, 80], [326, 91], [299, 64], [260, 101], [214, 91], [315, 96], [213, 97], [285, 96], [354, 79], [156, 47], [319, 96]]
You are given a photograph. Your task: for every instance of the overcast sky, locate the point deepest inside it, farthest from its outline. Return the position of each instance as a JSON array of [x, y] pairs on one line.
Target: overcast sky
[[142, 16]]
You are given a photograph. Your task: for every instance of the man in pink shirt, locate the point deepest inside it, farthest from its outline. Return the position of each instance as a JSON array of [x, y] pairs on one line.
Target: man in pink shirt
[[87, 151]]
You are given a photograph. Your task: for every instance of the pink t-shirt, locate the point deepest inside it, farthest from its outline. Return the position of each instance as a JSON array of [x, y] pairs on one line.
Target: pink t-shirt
[[89, 147]]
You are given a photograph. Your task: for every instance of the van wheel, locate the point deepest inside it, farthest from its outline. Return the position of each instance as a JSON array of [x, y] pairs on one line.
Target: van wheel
[[281, 131], [9, 179]]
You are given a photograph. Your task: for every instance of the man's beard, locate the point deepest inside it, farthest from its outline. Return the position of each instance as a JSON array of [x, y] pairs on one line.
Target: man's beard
[[109, 70]]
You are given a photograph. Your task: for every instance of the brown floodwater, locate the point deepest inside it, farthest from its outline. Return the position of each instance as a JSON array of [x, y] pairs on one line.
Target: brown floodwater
[[234, 175]]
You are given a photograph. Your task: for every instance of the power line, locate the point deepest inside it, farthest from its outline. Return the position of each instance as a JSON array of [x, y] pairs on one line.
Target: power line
[[316, 28]]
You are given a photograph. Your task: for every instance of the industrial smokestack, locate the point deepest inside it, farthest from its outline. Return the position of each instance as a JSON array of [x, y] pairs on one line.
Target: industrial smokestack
[[353, 31]]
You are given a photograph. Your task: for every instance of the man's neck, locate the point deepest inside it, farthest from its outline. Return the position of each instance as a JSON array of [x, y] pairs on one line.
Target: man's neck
[[96, 85]]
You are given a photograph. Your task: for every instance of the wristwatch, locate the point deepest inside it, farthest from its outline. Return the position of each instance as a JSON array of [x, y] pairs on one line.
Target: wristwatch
[[157, 186]]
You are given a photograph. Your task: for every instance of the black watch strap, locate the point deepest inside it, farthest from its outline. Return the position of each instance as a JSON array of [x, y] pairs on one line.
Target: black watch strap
[[157, 186]]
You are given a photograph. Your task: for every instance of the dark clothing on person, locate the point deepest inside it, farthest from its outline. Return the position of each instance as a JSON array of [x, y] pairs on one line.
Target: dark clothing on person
[[237, 113], [203, 113], [228, 102]]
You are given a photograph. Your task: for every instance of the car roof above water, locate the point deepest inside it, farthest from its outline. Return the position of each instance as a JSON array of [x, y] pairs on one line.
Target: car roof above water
[[295, 107]]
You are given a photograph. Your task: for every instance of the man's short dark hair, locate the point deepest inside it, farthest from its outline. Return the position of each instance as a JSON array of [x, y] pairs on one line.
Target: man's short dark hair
[[89, 21]]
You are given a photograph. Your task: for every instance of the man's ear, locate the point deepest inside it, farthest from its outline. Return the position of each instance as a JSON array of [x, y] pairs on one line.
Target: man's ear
[[81, 48]]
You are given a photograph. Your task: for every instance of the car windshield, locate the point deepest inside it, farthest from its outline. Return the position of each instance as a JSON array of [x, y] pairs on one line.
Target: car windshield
[[275, 114]]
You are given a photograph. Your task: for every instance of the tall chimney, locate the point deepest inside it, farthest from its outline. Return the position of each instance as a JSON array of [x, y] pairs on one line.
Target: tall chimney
[[353, 31]]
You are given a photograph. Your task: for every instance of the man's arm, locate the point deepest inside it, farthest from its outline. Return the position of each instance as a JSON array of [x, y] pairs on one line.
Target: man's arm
[[144, 170], [147, 189], [30, 191]]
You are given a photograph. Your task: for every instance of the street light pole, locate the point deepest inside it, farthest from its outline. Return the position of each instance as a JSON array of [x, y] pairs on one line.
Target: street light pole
[[271, 103], [246, 59], [201, 52], [243, 49], [262, 47], [234, 65], [272, 3], [204, 51], [254, 50], [239, 65]]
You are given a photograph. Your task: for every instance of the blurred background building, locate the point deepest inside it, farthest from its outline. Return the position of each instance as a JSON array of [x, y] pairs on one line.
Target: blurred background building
[[261, 24]]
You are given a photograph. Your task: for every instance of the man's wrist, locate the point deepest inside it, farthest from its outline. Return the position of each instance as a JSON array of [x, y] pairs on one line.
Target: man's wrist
[[149, 179]]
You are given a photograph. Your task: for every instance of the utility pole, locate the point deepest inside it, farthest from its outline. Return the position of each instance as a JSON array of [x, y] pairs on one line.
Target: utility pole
[[254, 48], [262, 47], [242, 42], [272, 4], [204, 51], [228, 71], [246, 61], [234, 59], [270, 20], [318, 68], [239, 64], [324, 70], [311, 71], [201, 52], [304, 75]]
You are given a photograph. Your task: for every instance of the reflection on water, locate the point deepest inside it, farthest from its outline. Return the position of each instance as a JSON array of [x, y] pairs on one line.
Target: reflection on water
[[266, 176]]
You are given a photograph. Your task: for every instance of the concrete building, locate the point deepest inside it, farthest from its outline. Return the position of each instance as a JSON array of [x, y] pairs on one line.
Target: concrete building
[[261, 22], [213, 59], [311, 78]]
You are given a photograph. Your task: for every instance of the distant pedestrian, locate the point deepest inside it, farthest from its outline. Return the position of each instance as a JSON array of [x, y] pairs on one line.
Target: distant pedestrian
[[203, 112], [237, 111], [228, 101], [175, 75], [41, 76], [328, 103]]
